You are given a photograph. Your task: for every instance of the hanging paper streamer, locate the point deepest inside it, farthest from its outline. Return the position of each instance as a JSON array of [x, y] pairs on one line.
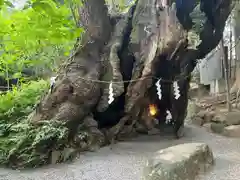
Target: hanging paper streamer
[[52, 82], [146, 30], [176, 90], [164, 3], [168, 117], [110, 97], [159, 91]]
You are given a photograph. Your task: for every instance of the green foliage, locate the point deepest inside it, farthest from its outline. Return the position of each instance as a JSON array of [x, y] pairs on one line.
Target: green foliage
[[19, 140], [23, 144], [39, 36], [36, 36], [14, 107], [6, 3], [30, 146], [19, 102]]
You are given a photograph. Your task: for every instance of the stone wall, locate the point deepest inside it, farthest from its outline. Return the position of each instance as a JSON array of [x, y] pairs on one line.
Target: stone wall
[[221, 122]]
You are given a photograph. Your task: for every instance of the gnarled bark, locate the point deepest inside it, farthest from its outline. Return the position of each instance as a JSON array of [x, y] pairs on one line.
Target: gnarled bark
[[146, 45]]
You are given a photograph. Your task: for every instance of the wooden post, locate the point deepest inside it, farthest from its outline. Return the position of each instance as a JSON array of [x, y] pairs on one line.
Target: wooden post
[[226, 72], [230, 56]]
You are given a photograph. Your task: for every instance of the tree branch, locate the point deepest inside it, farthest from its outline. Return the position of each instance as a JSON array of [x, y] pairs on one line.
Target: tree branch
[[214, 33]]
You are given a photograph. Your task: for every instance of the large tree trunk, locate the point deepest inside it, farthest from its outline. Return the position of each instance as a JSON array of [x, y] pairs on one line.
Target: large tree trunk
[[143, 46]]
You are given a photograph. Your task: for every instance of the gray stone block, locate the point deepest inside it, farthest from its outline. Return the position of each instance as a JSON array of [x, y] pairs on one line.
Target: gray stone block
[[181, 162]]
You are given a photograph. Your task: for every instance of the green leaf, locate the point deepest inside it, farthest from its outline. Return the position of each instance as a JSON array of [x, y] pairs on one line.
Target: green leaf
[[36, 37], [9, 4], [67, 53], [1, 3], [45, 5], [17, 75]]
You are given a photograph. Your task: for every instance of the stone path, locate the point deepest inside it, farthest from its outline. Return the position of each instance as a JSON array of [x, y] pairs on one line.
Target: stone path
[[126, 160]]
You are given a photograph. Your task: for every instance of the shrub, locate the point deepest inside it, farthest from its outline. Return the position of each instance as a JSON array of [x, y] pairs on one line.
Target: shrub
[[24, 145], [14, 107], [19, 102]]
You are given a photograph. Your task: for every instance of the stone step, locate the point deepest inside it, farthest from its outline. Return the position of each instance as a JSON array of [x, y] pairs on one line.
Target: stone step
[[232, 131]]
